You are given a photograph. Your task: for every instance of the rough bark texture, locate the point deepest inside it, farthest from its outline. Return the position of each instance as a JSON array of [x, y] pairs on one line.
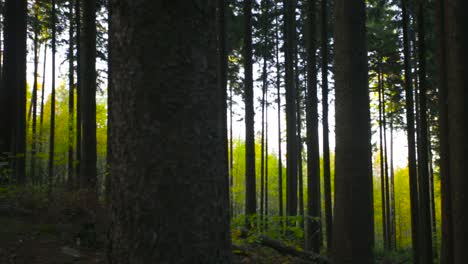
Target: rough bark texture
[[169, 197], [313, 222], [352, 230], [456, 17], [88, 95], [291, 144], [250, 189], [413, 182], [13, 93]]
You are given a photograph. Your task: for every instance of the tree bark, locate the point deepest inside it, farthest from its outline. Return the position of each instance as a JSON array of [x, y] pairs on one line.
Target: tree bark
[[313, 219], [413, 182], [446, 255], [71, 95], [325, 129], [13, 93], [352, 230], [291, 122], [250, 185], [456, 17], [169, 109], [425, 217], [51, 164], [88, 159]]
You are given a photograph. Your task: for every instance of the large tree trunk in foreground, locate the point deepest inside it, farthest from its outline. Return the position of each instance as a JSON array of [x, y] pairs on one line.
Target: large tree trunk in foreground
[[169, 188], [352, 230], [456, 16], [13, 89], [88, 95]]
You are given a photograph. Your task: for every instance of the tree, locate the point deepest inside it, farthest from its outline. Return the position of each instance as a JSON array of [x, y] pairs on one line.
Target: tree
[[87, 83], [291, 146], [13, 93], [410, 132], [352, 230], [169, 109], [250, 189], [446, 255], [325, 130], [71, 93], [423, 176], [314, 231], [52, 112], [455, 15], [36, 29], [278, 91]]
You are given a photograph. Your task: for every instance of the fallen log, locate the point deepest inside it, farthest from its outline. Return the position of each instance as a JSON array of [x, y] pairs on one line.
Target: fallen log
[[288, 250]]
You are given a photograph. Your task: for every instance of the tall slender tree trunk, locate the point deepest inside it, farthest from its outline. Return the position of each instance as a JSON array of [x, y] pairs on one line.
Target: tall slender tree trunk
[[291, 113], [392, 189], [382, 159], [353, 232], [155, 114], [51, 175], [446, 255], [313, 222], [34, 95], [300, 174], [386, 176], [432, 194], [88, 96], [456, 17], [425, 218], [250, 189], [413, 181], [278, 91], [41, 117], [78, 92], [325, 130], [71, 94]]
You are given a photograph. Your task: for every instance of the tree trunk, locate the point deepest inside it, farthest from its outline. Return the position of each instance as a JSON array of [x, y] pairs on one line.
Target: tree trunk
[[456, 17], [278, 91], [353, 233], [413, 182], [34, 95], [88, 95], [325, 130], [41, 117], [446, 255], [79, 177], [52, 102], [169, 109], [313, 222], [71, 95], [425, 217], [291, 138], [13, 93], [250, 189], [382, 160]]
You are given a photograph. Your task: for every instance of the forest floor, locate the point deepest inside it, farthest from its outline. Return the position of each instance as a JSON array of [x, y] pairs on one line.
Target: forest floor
[[30, 239], [70, 228]]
